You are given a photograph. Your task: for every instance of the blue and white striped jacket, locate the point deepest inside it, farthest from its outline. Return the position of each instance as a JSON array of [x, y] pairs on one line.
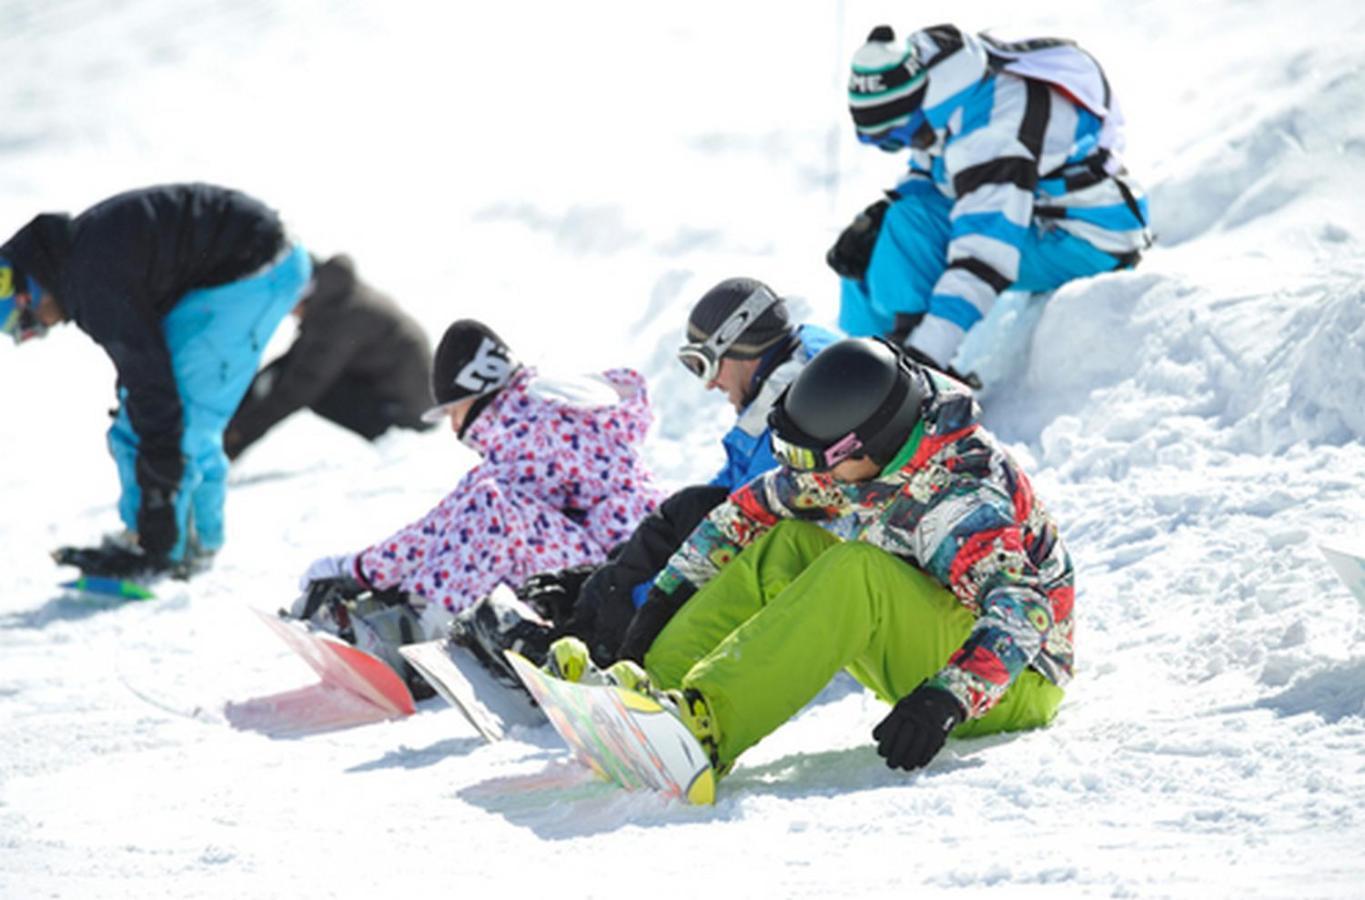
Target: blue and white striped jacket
[[1025, 133]]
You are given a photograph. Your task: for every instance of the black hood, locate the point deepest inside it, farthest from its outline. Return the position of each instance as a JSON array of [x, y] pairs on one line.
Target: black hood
[[41, 248]]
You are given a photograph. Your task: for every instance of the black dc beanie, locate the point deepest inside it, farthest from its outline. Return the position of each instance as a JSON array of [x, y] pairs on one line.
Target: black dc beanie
[[471, 361]]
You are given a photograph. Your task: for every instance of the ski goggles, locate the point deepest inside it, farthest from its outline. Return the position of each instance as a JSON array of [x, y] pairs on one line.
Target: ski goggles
[[797, 450], [915, 132], [702, 358], [18, 313], [811, 459]]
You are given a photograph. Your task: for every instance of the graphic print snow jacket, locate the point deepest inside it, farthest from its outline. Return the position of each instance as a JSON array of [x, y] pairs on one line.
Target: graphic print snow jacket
[[954, 505], [565, 453]]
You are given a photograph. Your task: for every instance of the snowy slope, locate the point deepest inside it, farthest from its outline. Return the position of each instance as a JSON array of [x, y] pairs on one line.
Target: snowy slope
[[577, 174]]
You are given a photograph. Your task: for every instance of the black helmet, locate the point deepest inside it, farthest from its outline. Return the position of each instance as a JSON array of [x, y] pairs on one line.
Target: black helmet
[[858, 396]]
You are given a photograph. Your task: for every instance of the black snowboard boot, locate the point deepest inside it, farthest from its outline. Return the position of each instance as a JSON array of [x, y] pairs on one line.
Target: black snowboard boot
[[501, 622]]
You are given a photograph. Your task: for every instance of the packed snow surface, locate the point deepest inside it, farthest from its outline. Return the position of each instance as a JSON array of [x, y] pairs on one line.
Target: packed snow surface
[[577, 174]]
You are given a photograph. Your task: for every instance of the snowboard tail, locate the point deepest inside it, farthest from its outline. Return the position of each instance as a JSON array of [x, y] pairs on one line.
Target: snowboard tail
[[623, 736], [373, 690], [97, 586]]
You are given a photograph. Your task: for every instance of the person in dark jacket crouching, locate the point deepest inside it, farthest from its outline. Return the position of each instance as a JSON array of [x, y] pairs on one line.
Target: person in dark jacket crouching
[[358, 361], [182, 285]]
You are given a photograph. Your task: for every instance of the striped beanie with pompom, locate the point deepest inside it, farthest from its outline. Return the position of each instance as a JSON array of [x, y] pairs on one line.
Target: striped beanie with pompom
[[887, 85]]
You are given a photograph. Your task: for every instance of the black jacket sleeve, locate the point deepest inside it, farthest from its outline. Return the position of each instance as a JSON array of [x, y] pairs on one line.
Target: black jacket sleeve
[[112, 308], [605, 605]]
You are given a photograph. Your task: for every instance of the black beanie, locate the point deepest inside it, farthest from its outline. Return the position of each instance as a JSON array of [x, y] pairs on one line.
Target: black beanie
[[471, 361], [719, 303]]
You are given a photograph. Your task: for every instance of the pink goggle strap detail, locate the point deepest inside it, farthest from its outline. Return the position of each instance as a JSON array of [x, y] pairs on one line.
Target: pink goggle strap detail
[[842, 449]]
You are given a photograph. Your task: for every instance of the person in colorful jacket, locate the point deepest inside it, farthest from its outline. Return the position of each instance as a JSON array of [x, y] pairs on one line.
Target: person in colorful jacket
[[1015, 183], [750, 357], [182, 286], [740, 341], [560, 483], [951, 599]]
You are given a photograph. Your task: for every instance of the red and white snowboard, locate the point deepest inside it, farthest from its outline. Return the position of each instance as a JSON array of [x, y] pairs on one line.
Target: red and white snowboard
[[355, 687]]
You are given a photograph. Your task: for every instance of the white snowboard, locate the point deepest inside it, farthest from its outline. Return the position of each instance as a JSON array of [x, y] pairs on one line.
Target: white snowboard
[[624, 737], [1349, 566], [490, 706]]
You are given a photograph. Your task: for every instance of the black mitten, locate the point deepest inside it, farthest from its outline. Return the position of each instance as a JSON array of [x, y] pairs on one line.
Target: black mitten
[[852, 251], [156, 528], [554, 594], [158, 475], [915, 729]]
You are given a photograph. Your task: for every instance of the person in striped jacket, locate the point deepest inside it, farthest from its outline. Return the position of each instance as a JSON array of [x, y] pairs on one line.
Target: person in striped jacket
[[1014, 182]]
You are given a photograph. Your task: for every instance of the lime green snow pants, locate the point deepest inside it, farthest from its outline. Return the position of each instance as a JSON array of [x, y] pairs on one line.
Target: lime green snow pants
[[779, 621]]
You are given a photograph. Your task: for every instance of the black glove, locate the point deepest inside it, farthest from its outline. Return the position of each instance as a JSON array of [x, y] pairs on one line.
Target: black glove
[[110, 561], [650, 619], [609, 608], [554, 594], [852, 251], [156, 529], [158, 475], [969, 379], [915, 729]]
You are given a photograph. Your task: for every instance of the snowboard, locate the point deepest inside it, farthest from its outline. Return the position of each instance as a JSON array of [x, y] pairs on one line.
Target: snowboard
[[623, 736], [490, 705], [356, 688], [1350, 567], [97, 587], [114, 571]]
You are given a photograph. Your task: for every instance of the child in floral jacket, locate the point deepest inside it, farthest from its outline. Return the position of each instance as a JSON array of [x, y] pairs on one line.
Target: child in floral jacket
[[561, 481]]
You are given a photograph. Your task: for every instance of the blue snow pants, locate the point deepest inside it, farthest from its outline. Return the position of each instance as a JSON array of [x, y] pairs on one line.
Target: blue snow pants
[[216, 336], [912, 252]]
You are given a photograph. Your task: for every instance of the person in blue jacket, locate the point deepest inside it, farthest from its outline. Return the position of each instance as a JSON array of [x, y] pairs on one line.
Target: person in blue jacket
[[182, 285], [740, 341], [1015, 182]]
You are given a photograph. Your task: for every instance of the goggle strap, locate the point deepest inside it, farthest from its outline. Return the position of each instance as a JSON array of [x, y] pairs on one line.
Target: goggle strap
[[842, 449], [759, 301]]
